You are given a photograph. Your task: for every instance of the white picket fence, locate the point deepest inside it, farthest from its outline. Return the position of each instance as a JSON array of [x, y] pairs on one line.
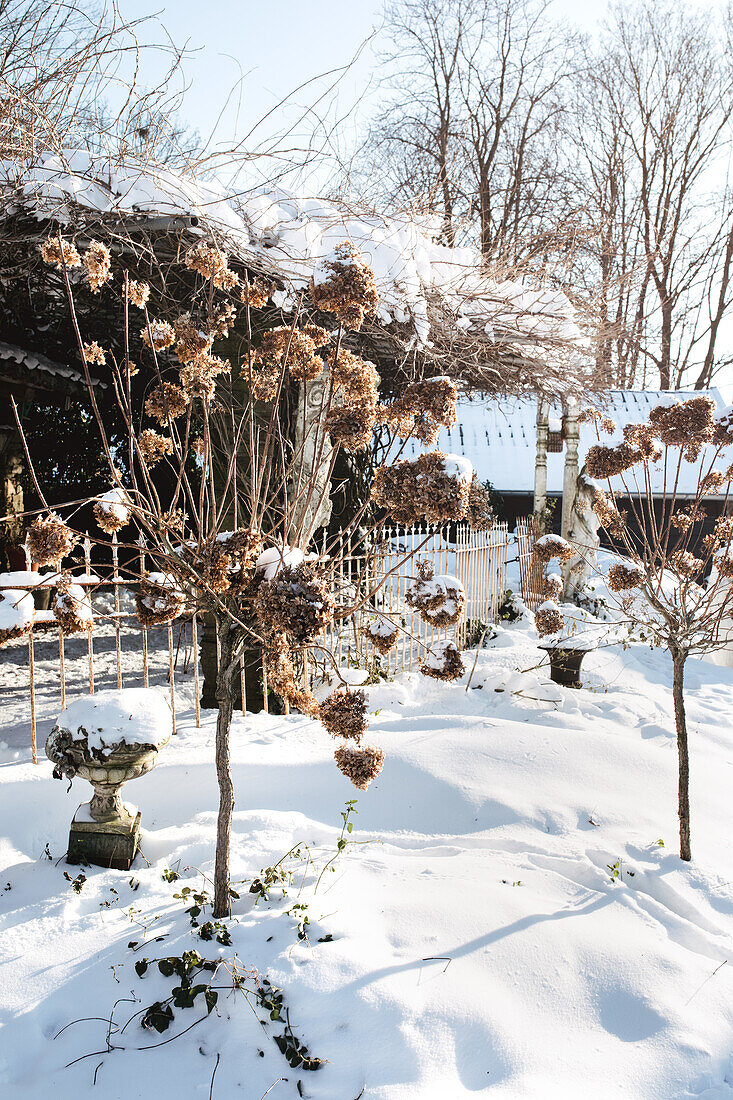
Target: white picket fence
[[375, 581]]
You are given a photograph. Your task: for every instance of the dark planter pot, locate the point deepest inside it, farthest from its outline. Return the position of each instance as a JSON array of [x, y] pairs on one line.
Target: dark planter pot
[[565, 665]]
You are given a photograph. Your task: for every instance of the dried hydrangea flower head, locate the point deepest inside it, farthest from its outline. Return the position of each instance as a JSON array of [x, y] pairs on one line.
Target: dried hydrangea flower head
[[112, 510], [549, 547], [161, 335], [443, 662], [383, 634], [71, 606], [98, 264], [257, 292], [158, 599], [138, 293], [199, 380], [48, 539], [351, 425], [724, 561], [93, 353], [210, 262], [154, 446], [423, 409], [439, 601], [222, 319], [685, 564], [166, 401], [593, 416], [479, 511], [343, 714], [623, 577], [360, 765], [715, 481], [60, 253], [344, 284], [687, 424], [294, 348], [354, 378], [281, 676], [434, 487], [296, 602], [191, 340], [611, 519], [548, 618], [553, 586], [605, 462]]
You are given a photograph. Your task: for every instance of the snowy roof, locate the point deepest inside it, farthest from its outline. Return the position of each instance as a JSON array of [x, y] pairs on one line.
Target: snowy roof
[[287, 236], [34, 361], [499, 437]]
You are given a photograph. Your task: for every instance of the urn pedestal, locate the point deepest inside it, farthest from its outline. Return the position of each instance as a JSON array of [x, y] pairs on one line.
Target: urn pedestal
[[106, 831], [565, 665]]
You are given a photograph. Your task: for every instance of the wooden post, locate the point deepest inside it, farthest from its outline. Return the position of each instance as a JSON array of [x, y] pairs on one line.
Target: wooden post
[[540, 465]]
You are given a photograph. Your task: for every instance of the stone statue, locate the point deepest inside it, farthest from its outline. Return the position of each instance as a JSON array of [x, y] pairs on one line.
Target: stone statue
[[311, 458], [583, 533]]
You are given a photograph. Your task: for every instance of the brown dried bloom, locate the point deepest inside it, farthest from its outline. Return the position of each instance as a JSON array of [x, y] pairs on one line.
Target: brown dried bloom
[[61, 253], [687, 424], [360, 765], [423, 409], [685, 564], [549, 547], [138, 293], [173, 520], [93, 353], [548, 618], [222, 319], [382, 633], [343, 714], [479, 511], [439, 601], [154, 446], [98, 263], [713, 482], [622, 577], [609, 515], [433, 486], [257, 292], [553, 586], [607, 425], [71, 606], [605, 462], [345, 286], [161, 333], [355, 378], [351, 426], [112, 510], [294, 347], [198, 446], [49, 539], [443, 662], [281, 676], [158, 599], [166, 401], [212, 263], [724, 563], [643, 437], [191, 342], [682, 521], [198, 380], [296, 602], [131, 367]]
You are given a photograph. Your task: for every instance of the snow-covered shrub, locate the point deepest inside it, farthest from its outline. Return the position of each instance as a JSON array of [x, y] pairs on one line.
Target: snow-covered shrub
[[16, 614], [158, 599], [344, 285], [443, 662], [97, 726], [48, 539], [438, 600]]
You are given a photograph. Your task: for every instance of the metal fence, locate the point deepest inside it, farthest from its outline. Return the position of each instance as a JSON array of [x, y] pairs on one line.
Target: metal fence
[[120, 651]]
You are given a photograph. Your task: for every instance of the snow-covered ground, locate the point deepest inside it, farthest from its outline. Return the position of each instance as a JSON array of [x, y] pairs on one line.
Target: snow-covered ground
[[511, 924]]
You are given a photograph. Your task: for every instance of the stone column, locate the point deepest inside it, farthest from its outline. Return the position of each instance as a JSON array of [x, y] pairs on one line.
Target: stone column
[[570, 476]]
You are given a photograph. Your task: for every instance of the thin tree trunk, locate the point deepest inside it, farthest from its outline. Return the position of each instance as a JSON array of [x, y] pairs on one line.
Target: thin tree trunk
[[223, 773], [683, 782]]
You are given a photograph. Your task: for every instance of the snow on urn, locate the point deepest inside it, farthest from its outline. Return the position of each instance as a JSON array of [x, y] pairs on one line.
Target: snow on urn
[[108, 738]]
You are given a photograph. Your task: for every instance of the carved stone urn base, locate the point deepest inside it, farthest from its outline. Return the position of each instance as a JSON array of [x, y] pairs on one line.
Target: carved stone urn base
[[112, 843]]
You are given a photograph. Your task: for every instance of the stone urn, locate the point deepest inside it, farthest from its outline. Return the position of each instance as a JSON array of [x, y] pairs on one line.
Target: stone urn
[[565, 665], [108, 739]]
